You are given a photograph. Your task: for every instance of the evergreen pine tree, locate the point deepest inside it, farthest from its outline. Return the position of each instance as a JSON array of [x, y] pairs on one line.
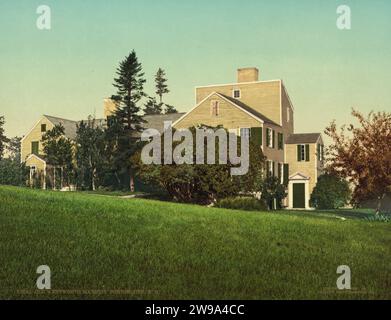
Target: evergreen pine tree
[[152, 107], [130, 85], [170, 109], [161, 84]]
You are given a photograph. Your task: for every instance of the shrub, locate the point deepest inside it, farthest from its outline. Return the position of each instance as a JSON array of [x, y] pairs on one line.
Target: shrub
[[242, 203], [273, 193], [379, 218], [12, 172], [330, 192]]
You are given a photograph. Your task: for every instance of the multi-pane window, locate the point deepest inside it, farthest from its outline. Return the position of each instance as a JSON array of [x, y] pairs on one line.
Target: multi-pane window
[[270, 168], [236, 94], [280, 141], [280, 172], [245, 132], [303, 152], [215, 108], [320, 152], [270, 137], [43, 127]]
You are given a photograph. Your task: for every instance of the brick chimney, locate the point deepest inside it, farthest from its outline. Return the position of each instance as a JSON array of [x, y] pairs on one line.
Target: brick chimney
[[248, 75], [109, 107]]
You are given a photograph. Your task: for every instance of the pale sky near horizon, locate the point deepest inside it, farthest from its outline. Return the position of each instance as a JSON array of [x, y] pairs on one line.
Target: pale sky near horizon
[[68, 70]]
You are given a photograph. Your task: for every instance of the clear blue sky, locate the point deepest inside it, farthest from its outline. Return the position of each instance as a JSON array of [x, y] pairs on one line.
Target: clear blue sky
[[68, 70]]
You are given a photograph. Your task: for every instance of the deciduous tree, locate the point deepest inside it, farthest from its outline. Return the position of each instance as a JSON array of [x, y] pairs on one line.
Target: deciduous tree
[[362, 154]]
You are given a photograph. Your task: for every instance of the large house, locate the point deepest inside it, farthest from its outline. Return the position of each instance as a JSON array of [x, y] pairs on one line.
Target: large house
[[250, 103], [295, 158]]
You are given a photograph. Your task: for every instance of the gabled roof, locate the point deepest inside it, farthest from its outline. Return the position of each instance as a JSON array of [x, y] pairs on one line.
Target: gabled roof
[[40, 157], [250, 110], [237, 104], [69, 125], [155, 121], [303, 138]]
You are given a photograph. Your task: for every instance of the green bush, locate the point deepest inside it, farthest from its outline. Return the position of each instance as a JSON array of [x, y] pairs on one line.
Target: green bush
[[330, 192], [379, 218], [242, 203], [12, 172]]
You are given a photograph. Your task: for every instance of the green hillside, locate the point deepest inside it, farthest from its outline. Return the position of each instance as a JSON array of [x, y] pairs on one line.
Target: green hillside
[[107, 247]]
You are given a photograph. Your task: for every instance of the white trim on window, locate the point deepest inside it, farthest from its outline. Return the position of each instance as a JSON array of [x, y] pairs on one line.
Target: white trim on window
[[248, 130]]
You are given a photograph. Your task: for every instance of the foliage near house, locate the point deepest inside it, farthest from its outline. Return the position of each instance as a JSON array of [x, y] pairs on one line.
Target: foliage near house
[[273, 192], [3, 138], [59, 154], [151, 106], [330, 192], [90, 154], [362, 154], [202, 183], [158, 250], [242, 203]]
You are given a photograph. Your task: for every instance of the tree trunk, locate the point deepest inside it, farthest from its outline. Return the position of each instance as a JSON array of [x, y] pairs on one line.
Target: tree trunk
[[131, 183], [118, 179], [379, 203], [93, 179], [54, 178]]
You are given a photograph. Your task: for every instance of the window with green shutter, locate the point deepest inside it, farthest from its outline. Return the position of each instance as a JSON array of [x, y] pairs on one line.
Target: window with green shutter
[[274, 139], [279, 172], [303, 152], [35, 147]]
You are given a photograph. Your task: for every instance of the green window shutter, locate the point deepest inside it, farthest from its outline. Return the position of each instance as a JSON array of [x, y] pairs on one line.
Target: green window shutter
[[279, 172], [274, 139], [298, 152], [307, 152], [267, 168], [286, 173], [256, 136], [35, 147]]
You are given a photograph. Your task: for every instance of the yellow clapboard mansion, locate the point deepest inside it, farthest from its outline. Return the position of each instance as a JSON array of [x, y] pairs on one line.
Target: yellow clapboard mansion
[[240, 107]]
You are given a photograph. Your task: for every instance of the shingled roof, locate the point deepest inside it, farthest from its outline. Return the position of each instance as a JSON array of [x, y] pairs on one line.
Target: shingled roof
[[298, 138], [69, 125], [155, 121]]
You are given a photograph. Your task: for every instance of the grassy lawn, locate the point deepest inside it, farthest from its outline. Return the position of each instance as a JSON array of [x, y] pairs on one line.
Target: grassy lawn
[[147, 249]]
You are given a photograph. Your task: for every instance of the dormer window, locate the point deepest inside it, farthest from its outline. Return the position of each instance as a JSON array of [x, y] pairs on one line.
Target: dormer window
[[236, 94], [214, 108]]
